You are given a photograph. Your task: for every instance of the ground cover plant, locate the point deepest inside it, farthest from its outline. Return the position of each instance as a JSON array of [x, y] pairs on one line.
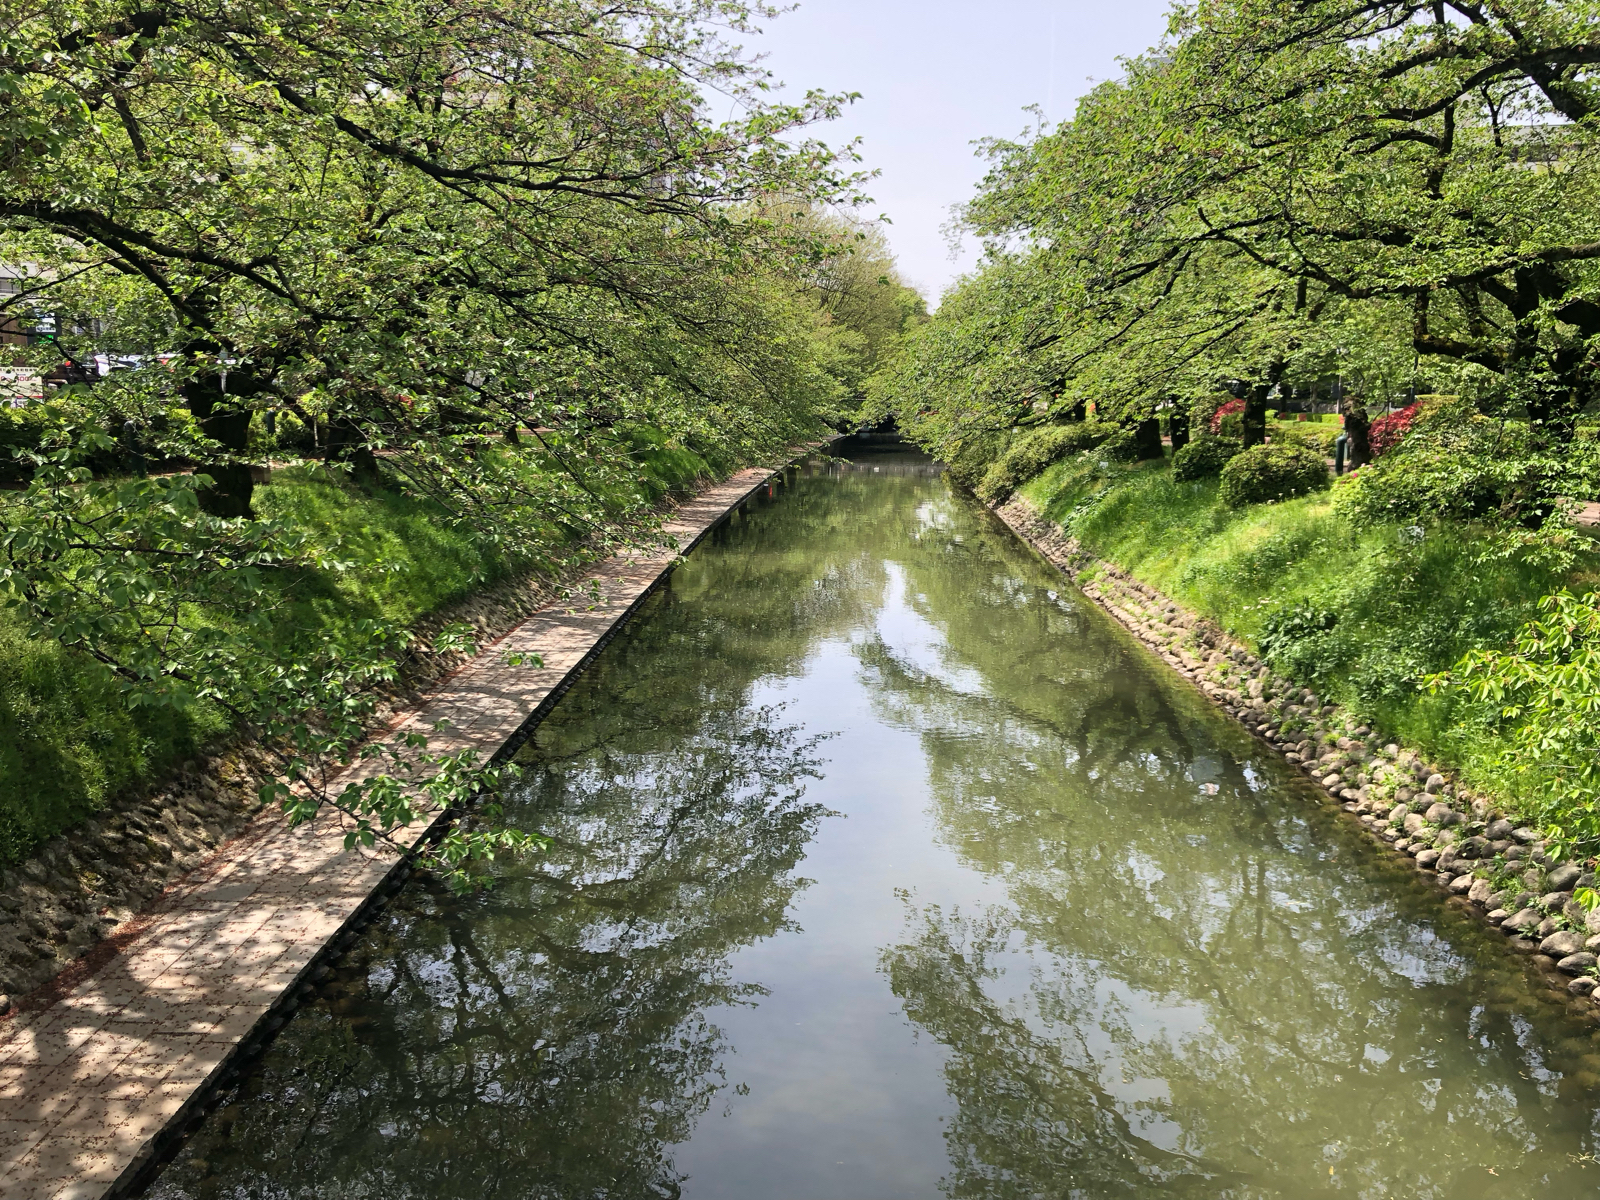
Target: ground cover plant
[[1363, 615], [69, 739]]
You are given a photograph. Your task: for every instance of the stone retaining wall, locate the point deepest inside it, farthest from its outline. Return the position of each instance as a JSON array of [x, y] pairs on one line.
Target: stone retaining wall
[[1454, 836], [79, 886], [104, 1068]]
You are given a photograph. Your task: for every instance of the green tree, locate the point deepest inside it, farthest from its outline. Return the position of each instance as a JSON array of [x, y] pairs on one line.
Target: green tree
[[1276, 183], [481, 247], [1435, 154], [861, 291]]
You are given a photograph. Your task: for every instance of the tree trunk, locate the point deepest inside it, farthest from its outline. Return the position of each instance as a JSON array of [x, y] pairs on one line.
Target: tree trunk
[[1357, 428], [1147, 436], [1255, 405], [1178, 422], [1255, 415], [346, 443], [1078, 411], [225, 419]]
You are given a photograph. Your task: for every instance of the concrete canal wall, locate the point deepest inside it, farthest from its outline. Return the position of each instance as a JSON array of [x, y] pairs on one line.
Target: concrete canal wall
[[104, 1066]]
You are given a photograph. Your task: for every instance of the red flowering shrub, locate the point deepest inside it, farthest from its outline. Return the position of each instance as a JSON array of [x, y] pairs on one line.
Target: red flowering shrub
[[1388, 430], [1225, 410]]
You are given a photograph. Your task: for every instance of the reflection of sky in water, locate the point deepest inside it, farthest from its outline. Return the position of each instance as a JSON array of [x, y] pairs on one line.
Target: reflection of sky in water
[[1159, 1018], [916, 643], [1425, 958]]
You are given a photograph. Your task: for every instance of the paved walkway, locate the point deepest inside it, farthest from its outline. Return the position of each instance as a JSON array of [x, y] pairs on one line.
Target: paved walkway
[[139, 1026]]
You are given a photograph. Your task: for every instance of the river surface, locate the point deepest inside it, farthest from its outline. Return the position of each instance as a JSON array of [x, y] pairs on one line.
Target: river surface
[[885, 866]]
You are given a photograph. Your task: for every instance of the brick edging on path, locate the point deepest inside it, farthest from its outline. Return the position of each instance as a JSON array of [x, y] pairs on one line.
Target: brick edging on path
[[117, 1058], [1453, 836]]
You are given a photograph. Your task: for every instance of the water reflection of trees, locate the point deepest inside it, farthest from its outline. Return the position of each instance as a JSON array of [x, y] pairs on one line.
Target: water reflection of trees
[[781, 577], [1185, 994], [552, 1037], [1182, 993], [1033, 1118]]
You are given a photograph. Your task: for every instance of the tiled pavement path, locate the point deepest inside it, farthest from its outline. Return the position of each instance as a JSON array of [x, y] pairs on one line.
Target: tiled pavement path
[[139, 1025]]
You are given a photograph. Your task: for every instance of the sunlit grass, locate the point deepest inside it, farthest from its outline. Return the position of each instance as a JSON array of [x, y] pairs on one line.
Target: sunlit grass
[[1404, 602], [68, 743]]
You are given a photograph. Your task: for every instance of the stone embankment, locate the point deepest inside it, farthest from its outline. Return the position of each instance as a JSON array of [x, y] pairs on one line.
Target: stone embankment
[[81, 885], [1454, 836], [104, 1067]]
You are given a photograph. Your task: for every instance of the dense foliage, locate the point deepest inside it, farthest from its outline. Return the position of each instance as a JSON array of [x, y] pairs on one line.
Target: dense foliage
[[1264, 474], [71, 741], [1204, 457], [1035, 450], [1545, 692], [1290, 201], [498, 259], [1227, 419], [1315, 435], [1458, 463], [1388, 429], [1303, 204]]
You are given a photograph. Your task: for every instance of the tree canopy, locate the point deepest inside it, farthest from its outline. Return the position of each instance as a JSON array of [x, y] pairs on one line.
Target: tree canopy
[[1286, 192], [488, 254]]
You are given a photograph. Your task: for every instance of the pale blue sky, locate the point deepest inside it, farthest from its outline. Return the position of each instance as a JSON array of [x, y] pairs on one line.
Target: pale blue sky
[[936, 75]]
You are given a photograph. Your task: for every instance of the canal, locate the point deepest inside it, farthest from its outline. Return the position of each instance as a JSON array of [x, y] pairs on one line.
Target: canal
[[884, 866]]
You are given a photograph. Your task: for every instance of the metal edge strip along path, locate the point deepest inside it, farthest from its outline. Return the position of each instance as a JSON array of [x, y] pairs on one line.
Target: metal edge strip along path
[[91, 1081]]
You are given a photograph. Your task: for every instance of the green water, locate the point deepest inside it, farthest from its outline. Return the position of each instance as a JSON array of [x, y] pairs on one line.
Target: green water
[[884, 865]]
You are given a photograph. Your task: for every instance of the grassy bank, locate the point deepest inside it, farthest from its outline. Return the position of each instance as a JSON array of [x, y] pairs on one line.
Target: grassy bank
[[1357, 614], [68, 741]]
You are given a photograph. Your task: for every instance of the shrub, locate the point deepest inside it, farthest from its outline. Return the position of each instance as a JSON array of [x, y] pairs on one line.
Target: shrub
[[1203, 458], [1220, 424], [1319, 436], [20, 430], [1201, 412], [1544, 693], [1298, 641], [968, 457], [1264, 473], [1387, 430], [1035, 450], [670, 467], [290, 435], [1457, 464], [1121, 447]]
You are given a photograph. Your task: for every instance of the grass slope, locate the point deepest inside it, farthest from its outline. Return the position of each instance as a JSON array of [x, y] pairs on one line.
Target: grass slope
[[1359, 615], [67, 742]]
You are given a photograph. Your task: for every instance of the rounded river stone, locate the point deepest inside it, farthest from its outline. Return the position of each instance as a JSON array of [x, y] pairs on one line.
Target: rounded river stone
[[1562, 944]]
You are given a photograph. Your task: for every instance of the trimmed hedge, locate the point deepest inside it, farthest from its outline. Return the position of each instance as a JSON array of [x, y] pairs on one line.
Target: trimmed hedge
[[1035, 450], [1203, 458], [1273, 472], [1316, 435]]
